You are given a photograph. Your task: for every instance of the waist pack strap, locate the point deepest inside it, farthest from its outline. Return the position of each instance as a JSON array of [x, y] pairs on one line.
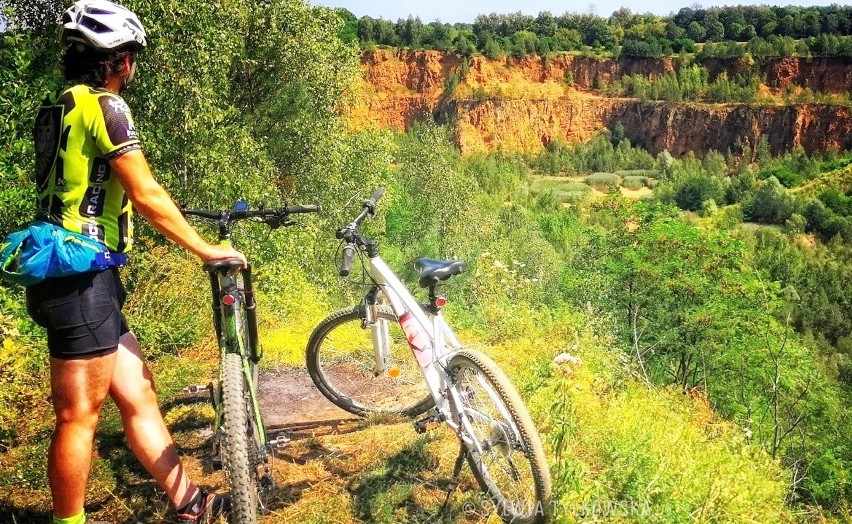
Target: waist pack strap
[[109, 259]]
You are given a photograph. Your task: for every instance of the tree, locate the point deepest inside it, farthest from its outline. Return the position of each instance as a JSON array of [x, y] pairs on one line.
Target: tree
[[367, 30], [695, 190], [696, 31], [523, 43], [715, 32], [410, 31], [770, 204], [545, 24], [567, 39], [597, 33], [349, 32], [463, 45]]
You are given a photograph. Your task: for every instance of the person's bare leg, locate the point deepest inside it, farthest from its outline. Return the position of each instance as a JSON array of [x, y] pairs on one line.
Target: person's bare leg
[[78, 388], [132, 389]]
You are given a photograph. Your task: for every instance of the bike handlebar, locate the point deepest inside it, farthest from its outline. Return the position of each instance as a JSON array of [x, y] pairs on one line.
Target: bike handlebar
[[306, 208], [274, 218], [351, 235], [233, 216]]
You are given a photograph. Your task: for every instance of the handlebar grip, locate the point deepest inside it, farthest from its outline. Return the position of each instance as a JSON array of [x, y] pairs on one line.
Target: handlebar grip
[[346, 265], [377, 194], [307, 208]]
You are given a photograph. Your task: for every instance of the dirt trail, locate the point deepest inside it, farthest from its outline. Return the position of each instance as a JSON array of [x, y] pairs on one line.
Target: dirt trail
[[289, 399], [338, 468]]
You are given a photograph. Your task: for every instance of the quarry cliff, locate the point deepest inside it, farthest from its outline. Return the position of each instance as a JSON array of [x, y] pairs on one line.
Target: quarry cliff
[[522, 104]]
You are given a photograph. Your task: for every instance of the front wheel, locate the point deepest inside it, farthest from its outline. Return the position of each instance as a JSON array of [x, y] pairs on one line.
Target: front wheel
[[366, 368], [238, 442], [503, 447]]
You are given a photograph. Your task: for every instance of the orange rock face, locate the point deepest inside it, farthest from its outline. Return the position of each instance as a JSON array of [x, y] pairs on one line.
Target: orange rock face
[[524, 104]]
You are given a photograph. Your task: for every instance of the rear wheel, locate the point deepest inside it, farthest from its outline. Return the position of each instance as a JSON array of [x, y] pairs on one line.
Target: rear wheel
[[341, 361], [239, 448], [505, 452]]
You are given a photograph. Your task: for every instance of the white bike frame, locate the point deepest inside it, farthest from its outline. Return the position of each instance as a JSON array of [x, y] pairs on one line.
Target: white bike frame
[[433, 360]]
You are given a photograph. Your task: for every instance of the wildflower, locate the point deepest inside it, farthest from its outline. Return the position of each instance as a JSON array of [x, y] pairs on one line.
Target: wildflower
[[567, 358]]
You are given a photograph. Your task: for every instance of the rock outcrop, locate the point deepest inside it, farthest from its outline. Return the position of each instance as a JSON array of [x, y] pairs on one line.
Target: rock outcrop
[[524, 104]]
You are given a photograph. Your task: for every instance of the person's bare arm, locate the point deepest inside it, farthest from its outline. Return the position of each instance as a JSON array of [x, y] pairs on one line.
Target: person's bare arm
[[153, 203]]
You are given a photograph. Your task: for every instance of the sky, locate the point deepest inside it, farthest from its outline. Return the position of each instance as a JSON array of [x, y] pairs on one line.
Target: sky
[[452, 11]]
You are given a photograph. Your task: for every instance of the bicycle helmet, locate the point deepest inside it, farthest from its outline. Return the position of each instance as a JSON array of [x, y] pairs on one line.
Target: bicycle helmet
[[103, 25]]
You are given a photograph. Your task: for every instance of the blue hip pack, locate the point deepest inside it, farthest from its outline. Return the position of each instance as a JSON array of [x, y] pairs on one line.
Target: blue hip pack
[[45, 250]]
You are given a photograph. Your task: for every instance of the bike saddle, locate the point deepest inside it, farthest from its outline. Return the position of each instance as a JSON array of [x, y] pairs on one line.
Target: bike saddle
[[431, 271], [225, 264]]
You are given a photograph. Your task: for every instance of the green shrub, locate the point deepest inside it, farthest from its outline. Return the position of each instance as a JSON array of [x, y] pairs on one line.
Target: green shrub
[[770, 204], [649, 173], [24, 384], [634, 182], [795, 225], [785, 174], [610, 181], [729, 217], [709, 208], [696, 190], [168, 304], [572, 192]]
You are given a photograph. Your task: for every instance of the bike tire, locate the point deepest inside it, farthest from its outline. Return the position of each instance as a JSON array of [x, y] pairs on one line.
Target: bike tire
[[340, 362], [512, 468], [239, 454]]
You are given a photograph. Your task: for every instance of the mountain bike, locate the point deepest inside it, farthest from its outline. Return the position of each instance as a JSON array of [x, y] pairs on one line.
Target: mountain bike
[[361, 359], [240, 442]]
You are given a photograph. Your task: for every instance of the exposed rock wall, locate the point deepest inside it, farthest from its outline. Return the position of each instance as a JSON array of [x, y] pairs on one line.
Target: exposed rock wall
[[824, 75], [523, 104], [520, 125]]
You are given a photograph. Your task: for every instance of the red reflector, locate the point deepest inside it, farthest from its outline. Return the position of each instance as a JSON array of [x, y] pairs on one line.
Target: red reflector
[[440, 301], [228, 300]]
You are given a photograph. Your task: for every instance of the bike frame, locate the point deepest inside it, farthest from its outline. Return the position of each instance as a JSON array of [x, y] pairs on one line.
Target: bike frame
[[226, 318], [434, 364]]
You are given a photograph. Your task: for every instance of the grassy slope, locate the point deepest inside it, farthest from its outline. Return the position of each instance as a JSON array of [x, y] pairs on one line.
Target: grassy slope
[[629, 450]]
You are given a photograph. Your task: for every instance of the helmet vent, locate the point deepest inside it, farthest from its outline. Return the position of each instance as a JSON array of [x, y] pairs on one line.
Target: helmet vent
[[97, 27]]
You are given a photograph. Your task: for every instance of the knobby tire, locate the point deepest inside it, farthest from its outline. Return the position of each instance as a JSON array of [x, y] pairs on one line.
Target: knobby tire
[[238, 442], [511, 444]]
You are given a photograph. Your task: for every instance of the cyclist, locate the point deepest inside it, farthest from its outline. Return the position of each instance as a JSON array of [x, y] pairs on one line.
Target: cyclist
[[91, 175]]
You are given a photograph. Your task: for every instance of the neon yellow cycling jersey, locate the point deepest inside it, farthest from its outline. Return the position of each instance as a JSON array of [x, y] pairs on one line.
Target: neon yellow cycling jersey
[[77, 132]]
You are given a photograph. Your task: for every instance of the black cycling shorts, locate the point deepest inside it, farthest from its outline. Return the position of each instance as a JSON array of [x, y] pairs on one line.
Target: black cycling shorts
[[82, 313]]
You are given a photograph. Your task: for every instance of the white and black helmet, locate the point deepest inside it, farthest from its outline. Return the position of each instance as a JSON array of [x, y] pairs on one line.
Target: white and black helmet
[[103, 25]]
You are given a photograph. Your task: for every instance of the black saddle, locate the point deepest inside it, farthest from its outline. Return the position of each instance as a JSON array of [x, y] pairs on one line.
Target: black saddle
[[431, 271]]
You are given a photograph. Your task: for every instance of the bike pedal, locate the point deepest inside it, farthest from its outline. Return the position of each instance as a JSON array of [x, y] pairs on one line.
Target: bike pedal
[[196, 389], [280, 442], [428, 423]]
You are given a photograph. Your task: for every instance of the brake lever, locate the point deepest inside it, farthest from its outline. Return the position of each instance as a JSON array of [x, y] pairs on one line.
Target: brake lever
[[293, 223]]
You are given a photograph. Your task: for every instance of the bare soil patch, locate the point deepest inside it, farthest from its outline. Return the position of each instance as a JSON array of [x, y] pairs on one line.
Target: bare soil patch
[[288, 398]]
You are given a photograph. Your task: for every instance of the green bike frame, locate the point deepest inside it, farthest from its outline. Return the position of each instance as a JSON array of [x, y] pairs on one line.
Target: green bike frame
[[233, 299]]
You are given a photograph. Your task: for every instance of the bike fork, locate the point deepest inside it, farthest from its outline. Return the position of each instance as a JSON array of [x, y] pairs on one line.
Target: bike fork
[[378, 333]]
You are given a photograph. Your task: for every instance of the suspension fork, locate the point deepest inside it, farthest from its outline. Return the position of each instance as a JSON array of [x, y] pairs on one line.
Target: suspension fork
[[378, 331]]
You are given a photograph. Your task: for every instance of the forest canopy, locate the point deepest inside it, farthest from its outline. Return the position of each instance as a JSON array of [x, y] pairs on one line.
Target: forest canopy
[[824, 30]]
